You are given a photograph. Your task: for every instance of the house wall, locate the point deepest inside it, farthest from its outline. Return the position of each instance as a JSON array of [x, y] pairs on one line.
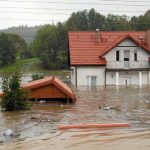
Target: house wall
[[145, 78], [142, 56], [131, 76], [84, 71]]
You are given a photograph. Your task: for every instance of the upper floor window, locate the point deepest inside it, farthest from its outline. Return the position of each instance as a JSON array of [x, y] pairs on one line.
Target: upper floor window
[[135, 56], [117, 55]]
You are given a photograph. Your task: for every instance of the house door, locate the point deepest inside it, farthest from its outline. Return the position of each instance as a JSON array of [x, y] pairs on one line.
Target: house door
[[91, 80], [126, 58], [127, 81]]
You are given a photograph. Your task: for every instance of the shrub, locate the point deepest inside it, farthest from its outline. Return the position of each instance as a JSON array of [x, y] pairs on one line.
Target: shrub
[[37, 76], [15, 98]]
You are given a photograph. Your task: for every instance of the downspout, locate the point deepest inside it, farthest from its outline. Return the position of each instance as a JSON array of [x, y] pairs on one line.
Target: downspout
[[105, 77], [76, 78]]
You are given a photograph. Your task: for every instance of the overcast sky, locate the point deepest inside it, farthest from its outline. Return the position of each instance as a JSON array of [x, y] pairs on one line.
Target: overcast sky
[[39, 12]]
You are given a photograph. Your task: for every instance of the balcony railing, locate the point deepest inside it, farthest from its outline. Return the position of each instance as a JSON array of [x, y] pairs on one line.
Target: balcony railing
[[127, 65]]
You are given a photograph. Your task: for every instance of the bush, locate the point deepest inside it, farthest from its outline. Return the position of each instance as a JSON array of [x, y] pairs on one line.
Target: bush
[[15, 98], [37, 76]]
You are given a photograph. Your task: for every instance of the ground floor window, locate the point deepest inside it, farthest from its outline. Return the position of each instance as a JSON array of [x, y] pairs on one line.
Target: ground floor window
[[91, 80]]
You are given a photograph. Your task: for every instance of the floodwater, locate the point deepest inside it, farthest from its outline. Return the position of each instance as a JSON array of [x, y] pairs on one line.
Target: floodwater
[[37, 129]]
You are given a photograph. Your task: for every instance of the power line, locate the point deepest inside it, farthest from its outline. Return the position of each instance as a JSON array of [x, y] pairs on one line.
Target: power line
[[40, 13], [129, 1], [45, 8], [110, 23], [81, 3], [33, 13], [27, 19], [51, 9]]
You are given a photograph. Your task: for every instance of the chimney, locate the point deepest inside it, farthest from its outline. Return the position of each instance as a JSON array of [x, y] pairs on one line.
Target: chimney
[[147, 38], [97, 35]]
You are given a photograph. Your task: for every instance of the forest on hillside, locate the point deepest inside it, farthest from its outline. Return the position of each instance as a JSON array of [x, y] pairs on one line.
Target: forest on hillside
[[50, 42], [25, 32]]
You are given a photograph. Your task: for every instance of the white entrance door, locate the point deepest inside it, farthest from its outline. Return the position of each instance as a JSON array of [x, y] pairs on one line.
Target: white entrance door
[[127, 81]]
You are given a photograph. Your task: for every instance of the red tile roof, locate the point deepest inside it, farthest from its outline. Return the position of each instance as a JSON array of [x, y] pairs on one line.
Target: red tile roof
[[84, 50]]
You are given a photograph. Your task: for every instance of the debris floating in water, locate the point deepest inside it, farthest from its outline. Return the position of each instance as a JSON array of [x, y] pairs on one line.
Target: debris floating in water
[[8, 132], [116, 108], [42, 101], [81, 126]]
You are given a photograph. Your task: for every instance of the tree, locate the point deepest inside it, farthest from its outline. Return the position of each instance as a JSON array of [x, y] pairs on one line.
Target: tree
[[12, 47], [141, 23], [28, 52], [49, 43], [78, 21], [85, 21], [133, 23], [117, 23], [95, 20], [15, 98], [7, 50], [19, 43]]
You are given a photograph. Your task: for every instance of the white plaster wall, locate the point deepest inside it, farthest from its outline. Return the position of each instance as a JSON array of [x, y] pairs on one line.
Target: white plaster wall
[[127, 42], [142, 56], [145, 78], [133, 75], [84, 71], [110, 78]]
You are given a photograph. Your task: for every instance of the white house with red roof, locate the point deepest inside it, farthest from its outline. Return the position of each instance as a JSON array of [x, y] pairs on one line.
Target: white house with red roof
[[110, 58]]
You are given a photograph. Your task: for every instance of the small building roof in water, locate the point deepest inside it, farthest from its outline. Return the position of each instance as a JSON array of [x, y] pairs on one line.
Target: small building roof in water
[[49, 88]]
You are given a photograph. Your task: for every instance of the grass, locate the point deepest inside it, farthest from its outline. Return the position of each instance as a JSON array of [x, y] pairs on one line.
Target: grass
[[20, 64]]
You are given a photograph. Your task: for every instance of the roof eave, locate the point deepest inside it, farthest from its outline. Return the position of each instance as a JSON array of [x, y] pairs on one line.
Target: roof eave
[[72, 65], [70, 95]]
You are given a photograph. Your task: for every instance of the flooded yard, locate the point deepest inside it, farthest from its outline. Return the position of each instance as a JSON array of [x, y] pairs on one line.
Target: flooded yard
[[37, 129]]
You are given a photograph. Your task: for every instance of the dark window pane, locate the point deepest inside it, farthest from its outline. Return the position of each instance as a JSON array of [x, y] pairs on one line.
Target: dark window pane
[[126, 59], [117, 55], [135, 56]]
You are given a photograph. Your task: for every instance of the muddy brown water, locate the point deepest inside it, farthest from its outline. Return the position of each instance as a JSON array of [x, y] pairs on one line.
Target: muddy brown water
[[37, 129]]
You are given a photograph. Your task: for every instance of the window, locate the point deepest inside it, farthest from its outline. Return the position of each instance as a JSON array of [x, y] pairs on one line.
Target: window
[[135, 56], [91, 80], [117, 55], [126, 58]]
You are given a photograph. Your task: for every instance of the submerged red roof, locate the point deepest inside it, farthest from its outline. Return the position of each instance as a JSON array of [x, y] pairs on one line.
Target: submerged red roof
[[48, 81], [37, 84], [85, 50]]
